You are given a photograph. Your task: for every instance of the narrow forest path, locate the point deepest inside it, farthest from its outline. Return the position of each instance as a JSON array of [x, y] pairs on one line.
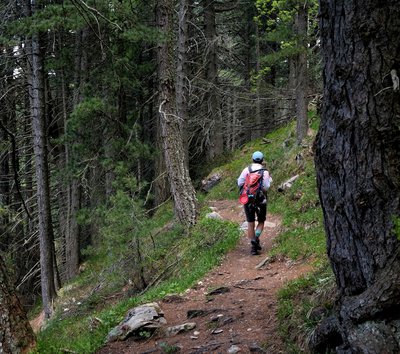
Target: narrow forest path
[[242, 315]]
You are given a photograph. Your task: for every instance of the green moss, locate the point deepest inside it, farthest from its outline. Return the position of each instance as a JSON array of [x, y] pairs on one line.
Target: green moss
[[396, 222]]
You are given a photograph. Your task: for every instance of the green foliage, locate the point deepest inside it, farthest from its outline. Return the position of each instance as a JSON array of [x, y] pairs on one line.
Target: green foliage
[[296, 302], [132, 246], [276, 19], [141, 33], [48, 18], [191, 256], [303, 234], [168, 348]]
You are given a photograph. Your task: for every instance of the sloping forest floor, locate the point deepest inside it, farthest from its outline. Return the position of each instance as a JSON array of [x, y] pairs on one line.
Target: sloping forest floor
[[236, 302]]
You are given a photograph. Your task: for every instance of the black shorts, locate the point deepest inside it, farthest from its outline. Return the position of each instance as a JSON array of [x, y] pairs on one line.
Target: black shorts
[[251, 210]]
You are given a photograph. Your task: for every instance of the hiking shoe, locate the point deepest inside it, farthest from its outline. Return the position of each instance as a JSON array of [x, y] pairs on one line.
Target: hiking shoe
[[255, 242], [253, 251]]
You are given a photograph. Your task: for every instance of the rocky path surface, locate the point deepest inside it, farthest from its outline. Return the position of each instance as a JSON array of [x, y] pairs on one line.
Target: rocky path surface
[[234, 306]]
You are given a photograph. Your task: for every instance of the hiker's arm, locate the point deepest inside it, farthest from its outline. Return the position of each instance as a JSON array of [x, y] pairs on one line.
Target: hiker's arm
[[267, 180], [242, 177]]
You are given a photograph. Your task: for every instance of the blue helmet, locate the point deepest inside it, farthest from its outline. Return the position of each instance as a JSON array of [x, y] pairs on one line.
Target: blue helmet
[[258, 156]]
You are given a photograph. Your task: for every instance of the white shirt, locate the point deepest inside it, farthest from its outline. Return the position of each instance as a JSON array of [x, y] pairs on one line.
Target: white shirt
[[267, 179]]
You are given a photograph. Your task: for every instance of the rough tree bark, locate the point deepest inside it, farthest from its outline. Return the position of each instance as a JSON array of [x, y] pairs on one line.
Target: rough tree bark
[[46, 237], [301, 73], [358, 172], [182, 94], [213, 114], [171, 135], [16, 335]]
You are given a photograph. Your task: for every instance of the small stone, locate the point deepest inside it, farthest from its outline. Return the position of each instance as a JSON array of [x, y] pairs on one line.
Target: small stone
[[195, 313], [196, 333], [194, 337], [228, 320], [217, 331], [255, 348], [234, 349], [220, 290], [172, 331], [214, 215], [249, 329], [244, 226]]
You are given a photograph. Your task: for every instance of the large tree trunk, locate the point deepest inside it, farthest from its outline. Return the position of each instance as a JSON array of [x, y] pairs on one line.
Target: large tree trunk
[[182, 81], [171, 135], [16, 335], [301, 73], [36, 94], [358, 172]]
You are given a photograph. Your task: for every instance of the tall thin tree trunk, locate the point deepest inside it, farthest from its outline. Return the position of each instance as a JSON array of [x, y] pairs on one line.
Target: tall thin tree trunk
[[301, 74], [62, 163], [161, 189], [36, 94], [171, 134], [72, 234], [182, 81], [257, 120], [213, 114]]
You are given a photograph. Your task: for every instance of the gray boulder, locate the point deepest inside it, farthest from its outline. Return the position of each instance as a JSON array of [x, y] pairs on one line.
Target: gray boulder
[[141, 318]]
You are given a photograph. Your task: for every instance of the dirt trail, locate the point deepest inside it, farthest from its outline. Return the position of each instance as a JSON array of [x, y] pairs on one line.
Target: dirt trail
[[242, 318]]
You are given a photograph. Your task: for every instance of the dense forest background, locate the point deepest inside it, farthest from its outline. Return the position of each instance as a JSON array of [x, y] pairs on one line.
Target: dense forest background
[[111, 110], [93, 94]]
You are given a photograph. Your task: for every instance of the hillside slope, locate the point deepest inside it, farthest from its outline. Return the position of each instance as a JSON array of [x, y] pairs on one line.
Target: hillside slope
[[172, 261], [243, 311]]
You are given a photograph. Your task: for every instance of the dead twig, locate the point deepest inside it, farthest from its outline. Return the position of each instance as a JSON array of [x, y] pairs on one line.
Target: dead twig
[[252, 289], [264, 262]]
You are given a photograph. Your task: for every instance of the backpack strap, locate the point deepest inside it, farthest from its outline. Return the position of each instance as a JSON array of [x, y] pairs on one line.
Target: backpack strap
[[260, 169], [259, 188]]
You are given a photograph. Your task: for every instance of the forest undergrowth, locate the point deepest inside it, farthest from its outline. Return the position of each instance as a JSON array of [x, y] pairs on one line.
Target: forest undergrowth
[[141, 259]]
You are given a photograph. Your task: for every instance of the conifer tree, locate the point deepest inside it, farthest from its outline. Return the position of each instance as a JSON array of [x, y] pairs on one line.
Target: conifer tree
[[174, 154]]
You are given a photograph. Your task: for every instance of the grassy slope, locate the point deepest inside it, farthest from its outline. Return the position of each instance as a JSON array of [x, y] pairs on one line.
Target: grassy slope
[[84, 328]]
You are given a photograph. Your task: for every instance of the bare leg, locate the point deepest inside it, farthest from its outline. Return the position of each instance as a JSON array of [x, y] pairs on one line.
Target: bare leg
[[260, 228], [250, 230]]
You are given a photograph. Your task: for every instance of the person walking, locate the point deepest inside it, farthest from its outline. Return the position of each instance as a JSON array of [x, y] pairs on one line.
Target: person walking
[[255, 205]]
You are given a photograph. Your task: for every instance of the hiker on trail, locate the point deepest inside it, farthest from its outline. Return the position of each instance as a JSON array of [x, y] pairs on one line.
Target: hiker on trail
[[254, 182]]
